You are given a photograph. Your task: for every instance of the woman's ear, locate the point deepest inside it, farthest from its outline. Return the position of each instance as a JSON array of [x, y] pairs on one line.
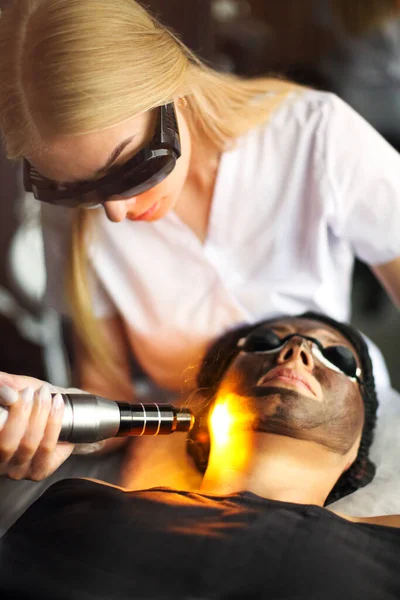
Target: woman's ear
[[199, 452]]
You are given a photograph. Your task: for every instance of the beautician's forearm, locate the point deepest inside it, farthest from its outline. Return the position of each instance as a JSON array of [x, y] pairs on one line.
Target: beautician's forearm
[[91, 381], [90, 377], [106, 389], [385, 520], [94, 384]]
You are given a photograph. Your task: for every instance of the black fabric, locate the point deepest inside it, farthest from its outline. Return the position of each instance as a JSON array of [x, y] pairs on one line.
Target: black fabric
[[84, 541]]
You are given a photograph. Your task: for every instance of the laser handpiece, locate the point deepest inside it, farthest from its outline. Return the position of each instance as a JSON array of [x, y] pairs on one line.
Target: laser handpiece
[[88, 418]]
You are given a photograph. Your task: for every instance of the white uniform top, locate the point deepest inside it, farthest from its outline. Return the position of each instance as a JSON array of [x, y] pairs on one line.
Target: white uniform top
[[294, 201]]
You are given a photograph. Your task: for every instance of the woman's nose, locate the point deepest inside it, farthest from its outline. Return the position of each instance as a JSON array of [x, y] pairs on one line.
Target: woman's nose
[[297, 350], [116, 210]]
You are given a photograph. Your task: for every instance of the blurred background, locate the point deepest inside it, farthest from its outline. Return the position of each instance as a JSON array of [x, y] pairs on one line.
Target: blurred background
[[350, 47]]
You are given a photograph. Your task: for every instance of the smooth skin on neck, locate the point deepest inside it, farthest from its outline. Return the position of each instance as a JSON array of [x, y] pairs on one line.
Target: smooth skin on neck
[[275, 467]]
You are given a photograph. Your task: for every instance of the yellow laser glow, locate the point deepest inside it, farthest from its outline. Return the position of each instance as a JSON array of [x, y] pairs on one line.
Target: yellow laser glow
[[221, 422], [230, 436]]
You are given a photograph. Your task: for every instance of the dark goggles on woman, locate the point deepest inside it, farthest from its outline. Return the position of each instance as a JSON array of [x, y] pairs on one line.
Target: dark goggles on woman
[[336, 358], [146, 169]]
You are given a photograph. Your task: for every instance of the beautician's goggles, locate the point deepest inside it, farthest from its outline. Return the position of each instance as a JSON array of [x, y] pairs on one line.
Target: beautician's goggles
[[146, 169]]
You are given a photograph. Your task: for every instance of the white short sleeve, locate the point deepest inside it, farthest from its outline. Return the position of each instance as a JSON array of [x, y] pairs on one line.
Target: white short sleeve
[[363, 173], [56, 225]]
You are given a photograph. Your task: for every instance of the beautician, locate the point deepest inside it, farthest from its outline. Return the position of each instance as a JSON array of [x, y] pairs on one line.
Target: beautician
[[214, 200]]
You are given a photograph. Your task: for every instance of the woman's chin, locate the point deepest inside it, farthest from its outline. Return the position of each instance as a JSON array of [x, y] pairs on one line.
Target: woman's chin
[[163, 209]]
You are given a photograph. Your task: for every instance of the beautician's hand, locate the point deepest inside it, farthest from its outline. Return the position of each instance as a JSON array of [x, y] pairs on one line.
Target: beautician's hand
[[30, 423]]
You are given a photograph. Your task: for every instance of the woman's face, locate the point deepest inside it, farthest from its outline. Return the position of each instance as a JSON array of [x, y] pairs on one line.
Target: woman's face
[[80, 158], [295, 394]]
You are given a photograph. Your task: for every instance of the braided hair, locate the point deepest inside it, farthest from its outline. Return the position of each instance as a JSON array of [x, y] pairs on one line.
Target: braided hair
[[223, 352]]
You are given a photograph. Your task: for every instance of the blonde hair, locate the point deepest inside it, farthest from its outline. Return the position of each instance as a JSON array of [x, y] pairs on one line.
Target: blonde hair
[[78, 66], [359, 16]]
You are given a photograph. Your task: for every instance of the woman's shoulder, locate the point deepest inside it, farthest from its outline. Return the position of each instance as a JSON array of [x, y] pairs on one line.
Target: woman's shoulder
[[383, 521], [300, 131], [313, 124], [310, 107], [302, 113], [304, 99]]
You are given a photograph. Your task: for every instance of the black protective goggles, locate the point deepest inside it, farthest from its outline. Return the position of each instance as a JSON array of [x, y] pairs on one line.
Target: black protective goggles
[[337, 358], [146, 169]]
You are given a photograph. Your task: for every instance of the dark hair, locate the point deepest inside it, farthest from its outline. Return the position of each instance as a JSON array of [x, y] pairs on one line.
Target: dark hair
[[222, 353]]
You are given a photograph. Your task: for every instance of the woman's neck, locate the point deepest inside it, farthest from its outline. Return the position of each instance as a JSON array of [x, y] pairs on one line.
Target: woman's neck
[[275, 467], [194, 204]]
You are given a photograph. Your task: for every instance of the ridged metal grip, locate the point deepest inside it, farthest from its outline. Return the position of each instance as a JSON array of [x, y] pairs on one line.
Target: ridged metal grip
[[88, 418]]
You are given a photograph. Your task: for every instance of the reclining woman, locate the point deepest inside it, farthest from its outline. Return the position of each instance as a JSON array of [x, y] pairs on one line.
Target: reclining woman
[[220, 201], [293, 409]]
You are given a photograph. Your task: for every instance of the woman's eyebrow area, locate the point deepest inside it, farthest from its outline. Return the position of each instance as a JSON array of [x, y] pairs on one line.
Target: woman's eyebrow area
[[115, 154]]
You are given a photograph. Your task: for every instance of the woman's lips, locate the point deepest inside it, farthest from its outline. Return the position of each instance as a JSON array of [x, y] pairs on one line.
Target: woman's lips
[[147, 214], [288, 377], [292, 382]]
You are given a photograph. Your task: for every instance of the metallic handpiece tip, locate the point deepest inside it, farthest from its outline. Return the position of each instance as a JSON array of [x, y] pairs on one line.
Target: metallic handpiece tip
[[184, 420]]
